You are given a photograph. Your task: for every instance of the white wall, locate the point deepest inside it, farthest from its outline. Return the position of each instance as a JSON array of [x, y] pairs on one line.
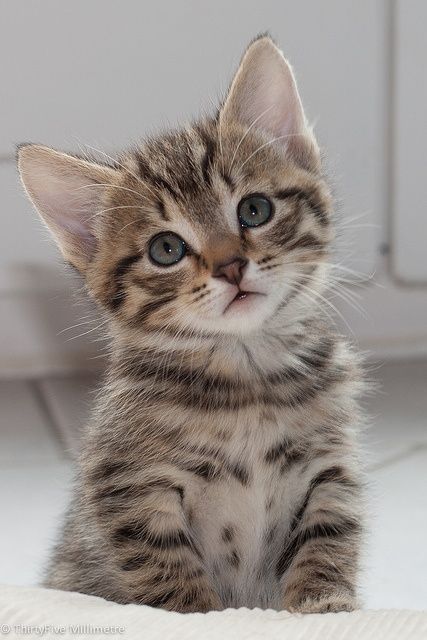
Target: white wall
[[102, 73], [409, 229]]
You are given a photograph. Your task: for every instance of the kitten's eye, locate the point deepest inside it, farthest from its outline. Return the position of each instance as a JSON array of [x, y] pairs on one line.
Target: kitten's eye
[[167, 248], [254, 211]]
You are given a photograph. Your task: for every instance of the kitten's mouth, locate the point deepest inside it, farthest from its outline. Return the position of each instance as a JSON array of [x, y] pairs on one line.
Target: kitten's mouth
[[240, 298]]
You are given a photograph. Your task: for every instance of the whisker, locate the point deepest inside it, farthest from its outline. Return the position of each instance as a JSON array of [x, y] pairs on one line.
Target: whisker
[[246, 133], [266, 144], [115, 186], [137, 178], [85, 333], [79, 324], [329, 303], [220, 144], [343, 220], [313, 302], [124, 206], [130, 223], [335, 285], [366, 225], [336, 289], [113, 160]]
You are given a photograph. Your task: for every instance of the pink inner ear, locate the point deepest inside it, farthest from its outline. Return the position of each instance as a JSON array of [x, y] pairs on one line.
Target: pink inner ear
[[67, 201], [70, 202], [68, 193], [264, 93]]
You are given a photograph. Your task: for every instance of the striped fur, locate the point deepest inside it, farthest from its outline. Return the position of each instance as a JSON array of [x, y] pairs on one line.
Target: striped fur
[[220, 466]]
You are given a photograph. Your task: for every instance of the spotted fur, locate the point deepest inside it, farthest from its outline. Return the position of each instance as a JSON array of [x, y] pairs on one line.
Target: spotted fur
[[220, 466]]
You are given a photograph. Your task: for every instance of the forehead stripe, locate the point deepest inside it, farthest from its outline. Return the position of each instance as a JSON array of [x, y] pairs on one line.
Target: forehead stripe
[[208, 160], [155, 179]]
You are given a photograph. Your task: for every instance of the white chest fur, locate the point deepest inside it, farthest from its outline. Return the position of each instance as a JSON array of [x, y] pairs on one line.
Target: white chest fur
[[242, 527]]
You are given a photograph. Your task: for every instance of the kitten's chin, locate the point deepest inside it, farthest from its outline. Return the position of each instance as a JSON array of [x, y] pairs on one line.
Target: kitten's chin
[[243, 302], [244, 314]]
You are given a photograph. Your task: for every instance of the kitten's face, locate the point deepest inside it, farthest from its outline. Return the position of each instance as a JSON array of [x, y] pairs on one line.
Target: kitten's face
[[219, 228], [222, 239]]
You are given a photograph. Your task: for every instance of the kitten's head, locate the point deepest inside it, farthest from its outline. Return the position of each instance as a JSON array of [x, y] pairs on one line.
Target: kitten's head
[[220, 227]]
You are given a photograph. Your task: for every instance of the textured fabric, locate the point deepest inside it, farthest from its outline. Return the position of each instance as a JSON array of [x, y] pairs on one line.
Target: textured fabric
[[34, 612]]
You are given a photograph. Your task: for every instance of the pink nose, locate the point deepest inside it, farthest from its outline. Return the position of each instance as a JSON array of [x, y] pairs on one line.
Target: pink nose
[[231, 271]]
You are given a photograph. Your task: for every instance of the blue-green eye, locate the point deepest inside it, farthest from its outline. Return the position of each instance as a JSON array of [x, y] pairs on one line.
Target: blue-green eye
[[254, 211], [167, 248]]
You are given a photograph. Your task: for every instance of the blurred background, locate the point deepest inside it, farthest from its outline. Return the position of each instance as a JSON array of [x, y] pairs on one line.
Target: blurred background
[[96, 75]]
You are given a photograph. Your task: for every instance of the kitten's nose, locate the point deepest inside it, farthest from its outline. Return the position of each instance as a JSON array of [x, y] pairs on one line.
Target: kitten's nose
[[232, 271]]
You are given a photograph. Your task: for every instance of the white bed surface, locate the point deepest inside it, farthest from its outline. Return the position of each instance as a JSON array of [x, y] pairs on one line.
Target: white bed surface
[[34, 612]]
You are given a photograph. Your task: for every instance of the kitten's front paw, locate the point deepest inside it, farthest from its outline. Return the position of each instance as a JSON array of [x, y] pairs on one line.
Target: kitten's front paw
[[204, 602], [327, 604]]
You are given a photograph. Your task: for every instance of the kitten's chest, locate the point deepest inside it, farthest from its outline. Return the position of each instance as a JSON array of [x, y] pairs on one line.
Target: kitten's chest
[[241, 522]]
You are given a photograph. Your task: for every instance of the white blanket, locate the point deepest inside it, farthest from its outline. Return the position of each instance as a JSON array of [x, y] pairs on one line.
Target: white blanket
[[34, 612]]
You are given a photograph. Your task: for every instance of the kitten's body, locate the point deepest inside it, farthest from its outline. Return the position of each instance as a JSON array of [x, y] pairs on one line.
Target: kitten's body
[[241, 475], [220, 467]]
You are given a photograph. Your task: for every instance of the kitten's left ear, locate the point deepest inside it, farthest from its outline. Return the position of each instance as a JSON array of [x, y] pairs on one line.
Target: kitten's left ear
[[67, 192], [264, 96]]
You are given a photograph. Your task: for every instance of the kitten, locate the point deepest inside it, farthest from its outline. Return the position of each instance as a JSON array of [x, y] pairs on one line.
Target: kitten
[[219, 468]]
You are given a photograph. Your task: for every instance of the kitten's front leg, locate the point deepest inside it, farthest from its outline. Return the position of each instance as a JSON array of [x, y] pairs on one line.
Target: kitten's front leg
[[156, 560], [318, 566]]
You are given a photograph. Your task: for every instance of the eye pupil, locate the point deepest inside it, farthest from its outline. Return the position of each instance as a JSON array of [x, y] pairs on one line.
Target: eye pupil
[[254, 211]]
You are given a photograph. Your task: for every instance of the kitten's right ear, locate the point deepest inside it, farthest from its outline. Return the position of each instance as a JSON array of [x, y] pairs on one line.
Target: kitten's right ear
[[67, 192]]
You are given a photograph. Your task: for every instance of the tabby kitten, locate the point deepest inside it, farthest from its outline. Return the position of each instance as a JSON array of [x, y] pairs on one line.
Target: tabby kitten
[[219, 468]]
